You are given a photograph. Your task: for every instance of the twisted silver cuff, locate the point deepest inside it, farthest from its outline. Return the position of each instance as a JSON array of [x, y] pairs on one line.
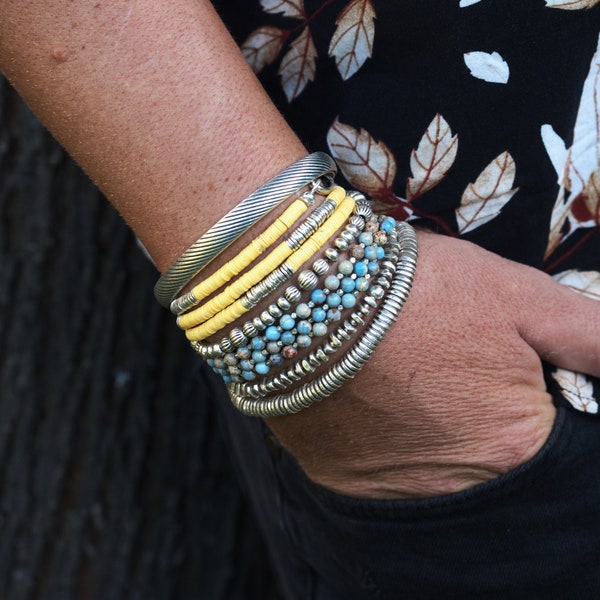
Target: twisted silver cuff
[[240, 219]]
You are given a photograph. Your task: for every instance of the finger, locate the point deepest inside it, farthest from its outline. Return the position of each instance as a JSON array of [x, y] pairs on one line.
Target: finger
[[560, 324]]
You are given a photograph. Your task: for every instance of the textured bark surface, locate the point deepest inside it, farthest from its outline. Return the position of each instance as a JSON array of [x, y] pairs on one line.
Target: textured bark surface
[[114, 482]]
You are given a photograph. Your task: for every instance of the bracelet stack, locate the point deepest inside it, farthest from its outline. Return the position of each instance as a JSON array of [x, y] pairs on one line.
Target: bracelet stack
[[332, 285]]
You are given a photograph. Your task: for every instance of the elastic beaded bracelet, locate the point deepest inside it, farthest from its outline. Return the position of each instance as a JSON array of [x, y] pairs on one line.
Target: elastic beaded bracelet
[[268, 265], [310, 362], [353, 361], [285, 333], [296, 260], [240, 219]]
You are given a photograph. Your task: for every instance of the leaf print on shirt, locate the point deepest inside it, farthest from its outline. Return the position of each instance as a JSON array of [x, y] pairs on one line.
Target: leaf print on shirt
[[367, 164], [298, 65], [352, 42], [577, 389], [484, 199], [288, 8], [571, 4], [263, 46], [587, 283], [578, 168], [432, 158], [489, 67], [350, 46]]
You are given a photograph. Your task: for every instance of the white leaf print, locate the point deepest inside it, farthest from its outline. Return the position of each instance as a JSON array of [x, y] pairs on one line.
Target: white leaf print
[[432, 158], [584, 154], [352, 41], [484, 199], [571, 4], [367, 164], [577, 389], [556, 149], [289, 8], [465, 3], [262, 46], [489, 67], [579, 172], [584, 282], [298, 65]]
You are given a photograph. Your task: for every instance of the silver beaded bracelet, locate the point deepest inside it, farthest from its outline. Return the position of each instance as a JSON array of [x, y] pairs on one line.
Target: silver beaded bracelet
[[240, 219], [357, 356]]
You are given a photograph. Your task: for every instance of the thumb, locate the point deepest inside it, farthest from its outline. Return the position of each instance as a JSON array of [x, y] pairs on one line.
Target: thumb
[[561, 325]]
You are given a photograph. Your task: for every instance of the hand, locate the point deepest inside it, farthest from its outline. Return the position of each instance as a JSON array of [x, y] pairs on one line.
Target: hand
[[455, 394]]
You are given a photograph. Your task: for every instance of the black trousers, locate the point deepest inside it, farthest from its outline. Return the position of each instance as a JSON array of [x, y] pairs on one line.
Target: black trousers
[[531, 533]]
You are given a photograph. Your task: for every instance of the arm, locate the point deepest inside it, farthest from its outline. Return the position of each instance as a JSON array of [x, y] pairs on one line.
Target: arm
[[155, 101]]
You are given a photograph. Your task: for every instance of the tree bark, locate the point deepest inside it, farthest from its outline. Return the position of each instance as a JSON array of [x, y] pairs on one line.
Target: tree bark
[[114, 482]]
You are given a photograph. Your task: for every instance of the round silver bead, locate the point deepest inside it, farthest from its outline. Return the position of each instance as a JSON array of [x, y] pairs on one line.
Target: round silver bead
[[292, 294], [308, 280], [249, 329], [237, 337], [320, 266]]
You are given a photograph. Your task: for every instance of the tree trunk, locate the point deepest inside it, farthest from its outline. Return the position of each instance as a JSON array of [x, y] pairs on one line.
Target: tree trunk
[[114, 482]]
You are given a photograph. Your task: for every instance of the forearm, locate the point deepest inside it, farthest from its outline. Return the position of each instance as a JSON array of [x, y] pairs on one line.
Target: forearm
[[155, 101]]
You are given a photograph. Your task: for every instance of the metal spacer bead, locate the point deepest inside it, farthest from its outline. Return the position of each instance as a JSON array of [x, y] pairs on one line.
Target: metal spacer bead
[[284, 303], [275, 311], [266, 318], [292, 294], [258, 324], [331, 254], [237, 337], [308, 280], [226, 345], [377, 292], [320, 266], [249, 329], [341, 244]]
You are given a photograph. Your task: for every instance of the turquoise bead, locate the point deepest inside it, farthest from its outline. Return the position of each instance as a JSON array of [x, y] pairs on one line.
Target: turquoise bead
[[288, 338], [320, 329], [380, 252], [346, 267], [318, 315], [272, 347], [303, 310], [258, 357], [334, 314], [318, 296], [332, 282], [348, 300], [287, 322], [275, 360], [262, 368], [303, 341], [360, 268], [245, 365], [362, 284], [373, 267], [347, 284], [388, 225], [258, 343], [366, 238], [243, 352], [272, 333], [371, 252], [248, 375], [304, 327], [334, 300]]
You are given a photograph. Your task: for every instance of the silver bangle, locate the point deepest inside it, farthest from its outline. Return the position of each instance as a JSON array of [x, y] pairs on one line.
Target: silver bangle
[[356, 357], [240, 219]]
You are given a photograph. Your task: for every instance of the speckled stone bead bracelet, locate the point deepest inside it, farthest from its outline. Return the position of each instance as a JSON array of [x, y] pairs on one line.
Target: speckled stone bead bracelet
[[352, 362], [254, 352], [357, 320]]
